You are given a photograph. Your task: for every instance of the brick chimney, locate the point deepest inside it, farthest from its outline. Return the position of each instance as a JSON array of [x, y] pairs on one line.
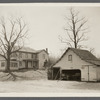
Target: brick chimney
[[47, 50]]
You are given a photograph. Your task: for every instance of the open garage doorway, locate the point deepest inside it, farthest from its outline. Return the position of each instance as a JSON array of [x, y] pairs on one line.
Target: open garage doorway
[[56, 73], [72, 75]]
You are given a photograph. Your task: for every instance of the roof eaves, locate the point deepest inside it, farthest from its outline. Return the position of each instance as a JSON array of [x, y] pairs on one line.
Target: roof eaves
[[60, 57], [76, 54], [41, 51], [95, 63], [27, 52]]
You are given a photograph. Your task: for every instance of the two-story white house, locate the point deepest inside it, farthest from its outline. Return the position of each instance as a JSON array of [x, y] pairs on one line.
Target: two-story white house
[[77, 64], [27, 58]]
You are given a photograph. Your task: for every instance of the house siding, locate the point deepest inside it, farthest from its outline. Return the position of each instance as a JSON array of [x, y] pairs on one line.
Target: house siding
[[88, 70], [42, 59]]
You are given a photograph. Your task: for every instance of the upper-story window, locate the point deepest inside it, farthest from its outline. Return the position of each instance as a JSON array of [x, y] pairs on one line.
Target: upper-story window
[[20, 55], [69, 57], [26, 55], [13, 55], [43, 56], [20, 63], [2, 64], [33, 56]]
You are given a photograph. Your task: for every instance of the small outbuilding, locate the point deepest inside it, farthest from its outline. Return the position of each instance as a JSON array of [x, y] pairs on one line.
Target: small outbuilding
[[77, 65]]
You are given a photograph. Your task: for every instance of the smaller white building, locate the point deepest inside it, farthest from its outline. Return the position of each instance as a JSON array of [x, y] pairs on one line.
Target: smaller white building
[[77, 64]]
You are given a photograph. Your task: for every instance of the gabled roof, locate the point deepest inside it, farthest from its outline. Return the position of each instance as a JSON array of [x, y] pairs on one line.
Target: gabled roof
[[95, 62], [84, 55], [39, 51], [30, 50], [27, 49]]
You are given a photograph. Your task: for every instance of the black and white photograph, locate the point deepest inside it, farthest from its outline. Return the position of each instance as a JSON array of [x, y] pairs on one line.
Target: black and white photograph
[[50, 49]]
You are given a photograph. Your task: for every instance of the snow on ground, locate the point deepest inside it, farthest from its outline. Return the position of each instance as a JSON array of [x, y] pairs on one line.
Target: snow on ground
[[47, 86], [34, 75], [25, 75], [36, 82]]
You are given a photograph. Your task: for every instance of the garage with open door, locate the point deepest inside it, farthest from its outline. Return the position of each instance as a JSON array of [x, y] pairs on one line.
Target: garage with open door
[[72, 75], [56, 73]]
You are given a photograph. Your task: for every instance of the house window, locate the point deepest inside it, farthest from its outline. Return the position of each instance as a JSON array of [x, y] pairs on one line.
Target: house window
[[26, 55], [20, 63], [69, 57], [20, 55], [2, 64], [13, 64], [31, 55], [34, 56], [43, 56]]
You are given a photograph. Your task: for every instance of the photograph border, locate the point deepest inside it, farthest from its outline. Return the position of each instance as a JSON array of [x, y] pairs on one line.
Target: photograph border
[[49, 1], [28, 97]]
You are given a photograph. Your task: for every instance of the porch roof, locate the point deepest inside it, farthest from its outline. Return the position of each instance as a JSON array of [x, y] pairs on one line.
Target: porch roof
[[30, 59]]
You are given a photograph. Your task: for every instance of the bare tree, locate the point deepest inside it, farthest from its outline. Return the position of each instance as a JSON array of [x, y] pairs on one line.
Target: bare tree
[[92, 50], [12, 34], [75, 29]]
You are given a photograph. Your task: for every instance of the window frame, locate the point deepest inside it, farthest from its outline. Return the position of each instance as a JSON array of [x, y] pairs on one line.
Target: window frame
[[32, 55], [20, 63], [20, 54], [26, 55], [43, 56], [3, 63], [14, 64], [70, 57]]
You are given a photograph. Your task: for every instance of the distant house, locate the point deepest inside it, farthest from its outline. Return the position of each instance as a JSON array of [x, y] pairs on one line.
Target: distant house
[[77, 64], [27, 58]]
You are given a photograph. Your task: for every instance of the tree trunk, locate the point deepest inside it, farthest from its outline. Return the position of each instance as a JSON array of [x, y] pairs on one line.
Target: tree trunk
[[7, 69], [75, 44]]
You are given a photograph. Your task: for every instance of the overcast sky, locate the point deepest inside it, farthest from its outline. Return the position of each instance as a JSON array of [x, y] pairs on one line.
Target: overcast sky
[[46, 24]]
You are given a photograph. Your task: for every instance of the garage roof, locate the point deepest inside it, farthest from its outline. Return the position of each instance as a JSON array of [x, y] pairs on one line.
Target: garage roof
[[84, 55]]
